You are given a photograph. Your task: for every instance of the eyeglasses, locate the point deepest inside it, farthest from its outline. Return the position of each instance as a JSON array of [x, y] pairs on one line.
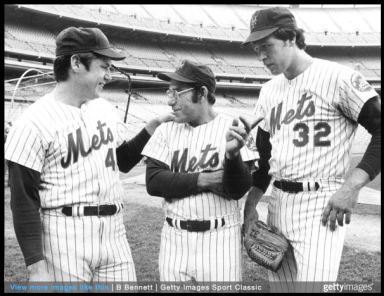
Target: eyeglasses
[[173, 94]]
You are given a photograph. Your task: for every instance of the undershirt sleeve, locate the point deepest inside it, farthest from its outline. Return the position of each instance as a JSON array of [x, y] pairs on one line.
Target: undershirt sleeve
[[370, 119], [25, 205], [160, 181], [260, 177], [128, 154], [237, 177]]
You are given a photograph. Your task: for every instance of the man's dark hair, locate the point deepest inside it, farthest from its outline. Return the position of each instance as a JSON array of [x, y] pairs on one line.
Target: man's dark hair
[[62, 64], [285, 34]]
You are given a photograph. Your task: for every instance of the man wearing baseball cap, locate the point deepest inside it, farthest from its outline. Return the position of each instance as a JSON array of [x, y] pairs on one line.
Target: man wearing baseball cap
[[65, 154], [311, 110], [197, 164]]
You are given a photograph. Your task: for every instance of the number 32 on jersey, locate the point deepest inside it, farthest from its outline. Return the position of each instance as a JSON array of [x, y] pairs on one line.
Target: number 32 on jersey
[[322, 130]]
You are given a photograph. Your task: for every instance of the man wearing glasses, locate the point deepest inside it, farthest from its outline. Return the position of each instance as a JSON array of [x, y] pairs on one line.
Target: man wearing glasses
[[197, 165]]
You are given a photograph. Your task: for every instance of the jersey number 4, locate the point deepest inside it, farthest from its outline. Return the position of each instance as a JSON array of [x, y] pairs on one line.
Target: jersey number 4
[[110, 160], [323, 130]]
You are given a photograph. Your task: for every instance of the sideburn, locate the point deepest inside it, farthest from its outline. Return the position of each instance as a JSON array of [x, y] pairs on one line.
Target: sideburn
[[195, 97]]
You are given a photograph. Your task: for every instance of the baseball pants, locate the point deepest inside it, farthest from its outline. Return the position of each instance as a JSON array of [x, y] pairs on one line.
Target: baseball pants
[[87, 249], [316, 250], [209, 256]]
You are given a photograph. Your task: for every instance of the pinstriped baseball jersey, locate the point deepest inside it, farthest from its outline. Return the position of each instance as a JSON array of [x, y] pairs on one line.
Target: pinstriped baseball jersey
[[215, 254], [186, 149], [312, 120], [73, 148]]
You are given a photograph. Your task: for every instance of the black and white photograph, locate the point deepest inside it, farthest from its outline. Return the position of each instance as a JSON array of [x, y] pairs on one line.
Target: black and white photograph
[[192, 148]]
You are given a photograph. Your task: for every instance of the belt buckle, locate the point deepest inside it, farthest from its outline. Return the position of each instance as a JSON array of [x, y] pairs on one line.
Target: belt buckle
[[98, 210], [281, 184]]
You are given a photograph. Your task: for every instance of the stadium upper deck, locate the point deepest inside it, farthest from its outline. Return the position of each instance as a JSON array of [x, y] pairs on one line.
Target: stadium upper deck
[[157, 37], [228, 22]]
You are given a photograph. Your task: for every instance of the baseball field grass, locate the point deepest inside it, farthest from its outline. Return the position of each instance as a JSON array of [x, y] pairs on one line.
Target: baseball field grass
[[144, 223]]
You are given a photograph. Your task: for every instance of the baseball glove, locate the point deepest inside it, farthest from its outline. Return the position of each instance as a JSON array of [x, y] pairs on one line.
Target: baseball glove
[[264, 245]]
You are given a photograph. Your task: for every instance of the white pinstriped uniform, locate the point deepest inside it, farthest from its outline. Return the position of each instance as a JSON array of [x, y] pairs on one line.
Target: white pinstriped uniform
[[74, 149], [213, 255], [309, 144]]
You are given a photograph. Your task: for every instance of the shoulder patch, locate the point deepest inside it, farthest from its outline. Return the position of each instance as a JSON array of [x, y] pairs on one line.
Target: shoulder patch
[[360, 83]]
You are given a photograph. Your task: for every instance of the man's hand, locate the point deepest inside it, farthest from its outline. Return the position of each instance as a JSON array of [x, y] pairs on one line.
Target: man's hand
[[152, 124], [165, 117], [235, 137], [250, 124], [339, 205], [212, 181], [344, 200], [38, 272]]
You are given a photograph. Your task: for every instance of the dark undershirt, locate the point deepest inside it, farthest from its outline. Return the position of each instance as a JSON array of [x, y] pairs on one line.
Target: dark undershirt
[[369, 118], [25, 199], [161, 181]]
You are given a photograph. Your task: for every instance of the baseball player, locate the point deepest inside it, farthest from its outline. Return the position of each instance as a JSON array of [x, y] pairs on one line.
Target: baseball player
[[65, 153], [195, 163], [311, 112]]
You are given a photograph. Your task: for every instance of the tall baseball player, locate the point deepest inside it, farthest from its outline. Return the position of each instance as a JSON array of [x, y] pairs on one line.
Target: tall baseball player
[[65, 153], [311, 111], [196, 164]]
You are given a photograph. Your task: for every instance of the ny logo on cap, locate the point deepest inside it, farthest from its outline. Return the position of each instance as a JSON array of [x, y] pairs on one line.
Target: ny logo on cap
[[181, 66], [254, 20]]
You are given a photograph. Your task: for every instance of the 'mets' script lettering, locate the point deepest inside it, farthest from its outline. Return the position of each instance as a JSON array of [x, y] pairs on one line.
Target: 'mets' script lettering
[[181, 166], [74, 147], [291, 114]]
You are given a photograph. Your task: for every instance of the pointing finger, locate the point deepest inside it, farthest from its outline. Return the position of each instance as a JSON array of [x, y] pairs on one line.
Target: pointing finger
[[250, 125], [256, 122], [247, 125]]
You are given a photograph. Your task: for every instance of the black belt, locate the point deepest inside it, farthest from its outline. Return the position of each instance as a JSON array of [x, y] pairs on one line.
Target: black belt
[[196, 226], [292, 186], [102, 210]]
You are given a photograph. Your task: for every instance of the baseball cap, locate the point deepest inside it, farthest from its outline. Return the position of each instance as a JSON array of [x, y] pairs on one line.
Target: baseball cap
[[266, 21], [191, 72], [78, 40]]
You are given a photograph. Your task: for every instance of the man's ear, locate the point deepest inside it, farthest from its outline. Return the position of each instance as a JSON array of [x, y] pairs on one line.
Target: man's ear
[[203, 92], [293, 41], [75, 63]]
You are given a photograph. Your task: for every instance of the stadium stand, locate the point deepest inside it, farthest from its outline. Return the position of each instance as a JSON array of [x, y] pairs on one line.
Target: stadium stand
[[317, 22], [209, 34], [351, 20]]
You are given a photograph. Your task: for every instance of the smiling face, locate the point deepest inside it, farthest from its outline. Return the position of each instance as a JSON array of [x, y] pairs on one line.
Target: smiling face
[[94, 79], [275, 54]]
